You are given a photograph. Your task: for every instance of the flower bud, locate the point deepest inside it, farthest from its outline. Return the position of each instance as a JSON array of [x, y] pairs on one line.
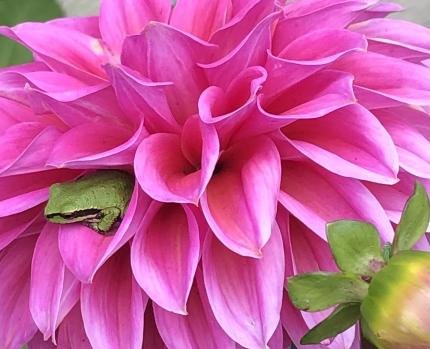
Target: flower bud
[[397, 307]]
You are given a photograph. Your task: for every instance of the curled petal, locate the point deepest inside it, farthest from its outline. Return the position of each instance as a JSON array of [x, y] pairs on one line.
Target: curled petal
[[119, 18], [113, 306], [84, 251], [52, 293], [173, 170], [165, 253], [245, 294], [316, 197], [246, 185], [16, 323], [363, 150], [94, 145]]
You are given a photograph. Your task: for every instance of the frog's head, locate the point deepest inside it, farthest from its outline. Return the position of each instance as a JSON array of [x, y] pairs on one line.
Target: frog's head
[[62, 207]]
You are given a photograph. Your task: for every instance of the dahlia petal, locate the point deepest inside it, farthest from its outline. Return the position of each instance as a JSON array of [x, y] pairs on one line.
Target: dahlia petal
[[88, 25], [84, 251], [317, 197], [37, 342], [64, 50], [379, 10], [71, 333], [13, 226], [200, 18], [97, 144], [393, 198], [196, 330], [410, 84], [164, 54], [395, 32], [410, 130], [141, 97], [314, 97], [119, 18], [246, 186], [83, 105], [298, 62], [245, 15], [363, 150], [164, 172], [245, 294], [22, 192], [50, 294], [300, 18], [165, 253], [12, 112], [277, 340], [151, 336], [252, 51], [306, 252], [17, 326], [113, 306], [25, 147], [228, 109]]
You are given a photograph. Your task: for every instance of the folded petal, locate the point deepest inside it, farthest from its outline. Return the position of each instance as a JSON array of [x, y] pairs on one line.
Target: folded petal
[[228, 109], [113, 306], [200, 18], [386, 36], [142, 98], [84, 251], [379, 10], [71, 333], [252, 51], [63, 49], [164, 54], [171, 169], [313, 97], [245, 184], [363, 150], [410, 130], [17, 326], [95, 145], [88, 25], [296, 61], [13, 226], [21, 192], [37, 342], [119, 18], [151, 335], [410, 84], [165, 253], [245, 294], [52, 293], [317, 197], [198, 329], [25, 147], [301, 16]]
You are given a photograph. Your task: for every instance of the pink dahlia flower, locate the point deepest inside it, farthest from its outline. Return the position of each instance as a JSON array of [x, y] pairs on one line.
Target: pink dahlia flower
[[248, 126]]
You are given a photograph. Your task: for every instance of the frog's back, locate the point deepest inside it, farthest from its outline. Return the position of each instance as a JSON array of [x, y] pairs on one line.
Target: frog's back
[[114, 186]]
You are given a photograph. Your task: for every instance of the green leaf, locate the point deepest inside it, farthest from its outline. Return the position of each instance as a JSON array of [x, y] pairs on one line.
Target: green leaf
[[356, 247], [320, 291], [13, 12], [414, 221], [344, 316]]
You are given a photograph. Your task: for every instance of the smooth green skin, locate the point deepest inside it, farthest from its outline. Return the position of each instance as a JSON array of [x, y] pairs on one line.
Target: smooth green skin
[[97, 200]]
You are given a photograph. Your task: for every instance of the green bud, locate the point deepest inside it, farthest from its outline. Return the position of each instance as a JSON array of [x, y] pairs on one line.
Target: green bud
[[397, 307]]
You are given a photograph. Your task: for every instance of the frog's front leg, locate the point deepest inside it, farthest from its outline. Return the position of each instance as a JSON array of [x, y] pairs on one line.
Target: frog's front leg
[[108, 217]]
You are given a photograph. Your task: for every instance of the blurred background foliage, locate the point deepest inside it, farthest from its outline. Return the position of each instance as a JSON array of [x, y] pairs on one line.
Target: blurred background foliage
[[17, 11]]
